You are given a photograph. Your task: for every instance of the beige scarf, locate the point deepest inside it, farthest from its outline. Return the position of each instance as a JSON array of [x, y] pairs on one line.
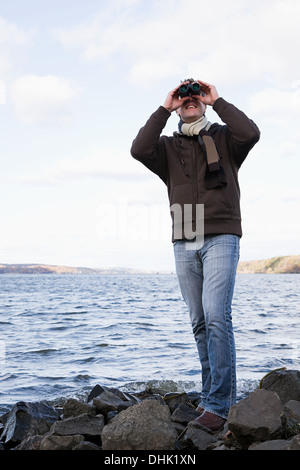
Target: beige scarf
[[193, 128]]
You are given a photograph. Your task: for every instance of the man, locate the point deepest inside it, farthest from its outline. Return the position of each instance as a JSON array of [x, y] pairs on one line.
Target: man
[[199, 164]]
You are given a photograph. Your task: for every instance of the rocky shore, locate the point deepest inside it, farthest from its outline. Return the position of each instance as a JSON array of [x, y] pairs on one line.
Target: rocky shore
[[111, 420]]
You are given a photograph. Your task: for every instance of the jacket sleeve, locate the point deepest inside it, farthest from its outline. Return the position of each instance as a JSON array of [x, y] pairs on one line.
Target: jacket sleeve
[[243, 133], [148, 147]]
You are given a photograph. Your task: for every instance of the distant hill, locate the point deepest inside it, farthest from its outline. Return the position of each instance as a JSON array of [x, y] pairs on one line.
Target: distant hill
[[52, 269], [277, 265]]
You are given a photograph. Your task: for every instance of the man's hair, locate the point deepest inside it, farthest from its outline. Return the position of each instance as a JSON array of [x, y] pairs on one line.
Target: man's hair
[[191, 80]]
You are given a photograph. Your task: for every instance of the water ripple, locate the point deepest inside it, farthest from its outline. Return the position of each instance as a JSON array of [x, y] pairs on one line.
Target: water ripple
[[63, 334]]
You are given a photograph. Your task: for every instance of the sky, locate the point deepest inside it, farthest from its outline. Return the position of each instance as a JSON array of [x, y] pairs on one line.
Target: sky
[[78, 79]]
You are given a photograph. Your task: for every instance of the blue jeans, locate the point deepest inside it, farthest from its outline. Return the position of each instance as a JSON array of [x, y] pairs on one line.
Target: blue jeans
[[206, 278]]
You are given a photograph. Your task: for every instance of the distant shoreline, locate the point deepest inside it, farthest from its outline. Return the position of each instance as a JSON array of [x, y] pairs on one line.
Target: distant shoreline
[[54, 269], [276, 265]]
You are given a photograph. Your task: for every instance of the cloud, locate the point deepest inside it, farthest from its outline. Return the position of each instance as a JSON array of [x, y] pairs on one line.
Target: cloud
[[278, 112], [43, 99], [228, 41], [277, 102], [105, 163], [98, 38], [12, 42]]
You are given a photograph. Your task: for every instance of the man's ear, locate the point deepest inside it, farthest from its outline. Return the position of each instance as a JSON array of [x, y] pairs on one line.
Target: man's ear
[[178, 112]]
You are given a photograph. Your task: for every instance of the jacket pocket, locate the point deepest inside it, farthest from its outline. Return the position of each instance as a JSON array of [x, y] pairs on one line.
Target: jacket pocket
[[217, 204]]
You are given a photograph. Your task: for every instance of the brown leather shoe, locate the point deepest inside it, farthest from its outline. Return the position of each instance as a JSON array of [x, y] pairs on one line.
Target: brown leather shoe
[[199, 409], [210, 421]]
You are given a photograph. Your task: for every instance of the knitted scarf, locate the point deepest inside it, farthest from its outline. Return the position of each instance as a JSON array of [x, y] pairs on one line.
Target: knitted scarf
[[193, 128], [214, 175]]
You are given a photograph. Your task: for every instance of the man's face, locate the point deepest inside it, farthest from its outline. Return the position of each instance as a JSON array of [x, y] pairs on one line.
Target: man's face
[[191, 110]]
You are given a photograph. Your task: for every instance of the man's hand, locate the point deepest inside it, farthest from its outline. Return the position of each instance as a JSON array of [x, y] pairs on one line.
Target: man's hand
[[173, 101], [211, 94]]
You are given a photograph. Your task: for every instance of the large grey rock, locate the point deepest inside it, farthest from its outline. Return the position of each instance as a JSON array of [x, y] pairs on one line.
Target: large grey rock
[[184, 413], [145, 426], [82, 424], [96, 390], [108, 401], [30, 443], [53, 442], [28, 419], [99, 390], [277, 444], [294, 443], [173, 400], [73, 407], [257, 418], [286, 383], [195, 438], [292, 409], [86, 445]]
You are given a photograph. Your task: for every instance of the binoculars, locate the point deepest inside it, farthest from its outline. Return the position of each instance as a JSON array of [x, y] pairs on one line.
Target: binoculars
[[189, 89]]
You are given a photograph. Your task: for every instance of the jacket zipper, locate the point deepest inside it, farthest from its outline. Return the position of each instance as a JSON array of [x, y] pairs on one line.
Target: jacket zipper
[[195, 186], [181, 159]]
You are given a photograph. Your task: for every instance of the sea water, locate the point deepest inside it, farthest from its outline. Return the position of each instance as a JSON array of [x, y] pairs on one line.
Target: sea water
[[63, 334]]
